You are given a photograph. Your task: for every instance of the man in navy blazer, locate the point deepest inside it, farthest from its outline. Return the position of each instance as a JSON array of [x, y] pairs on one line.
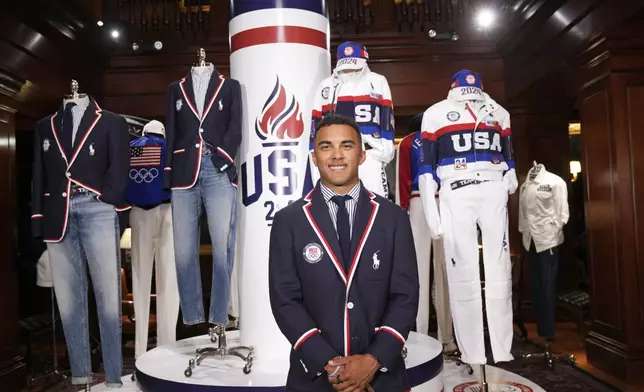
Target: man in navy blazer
[[343, 278]]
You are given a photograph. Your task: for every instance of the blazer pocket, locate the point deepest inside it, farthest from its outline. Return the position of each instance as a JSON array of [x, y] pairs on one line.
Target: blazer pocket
[[179, 151]]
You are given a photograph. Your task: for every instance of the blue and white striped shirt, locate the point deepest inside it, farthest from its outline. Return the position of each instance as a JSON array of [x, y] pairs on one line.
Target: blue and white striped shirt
[[350, 204], [78, 112], [200, 82]]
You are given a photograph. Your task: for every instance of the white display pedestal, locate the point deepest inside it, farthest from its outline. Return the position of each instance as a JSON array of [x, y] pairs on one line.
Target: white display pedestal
[[161, 369]]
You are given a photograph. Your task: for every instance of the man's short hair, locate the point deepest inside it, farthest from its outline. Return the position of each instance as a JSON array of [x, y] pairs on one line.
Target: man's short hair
[[338, 119]]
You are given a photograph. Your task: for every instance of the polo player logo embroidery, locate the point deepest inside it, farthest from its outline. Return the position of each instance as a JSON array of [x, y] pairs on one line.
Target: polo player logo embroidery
[[92, 151], [376, 261], [45, 145], [179, 104], [221, 105]]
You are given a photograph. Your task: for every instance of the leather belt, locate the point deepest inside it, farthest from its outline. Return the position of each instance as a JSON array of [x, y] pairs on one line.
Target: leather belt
[[77, 190], [462, 183]]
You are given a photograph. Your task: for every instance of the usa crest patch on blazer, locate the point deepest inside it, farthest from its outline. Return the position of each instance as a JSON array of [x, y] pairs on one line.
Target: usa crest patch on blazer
[[312, 253]]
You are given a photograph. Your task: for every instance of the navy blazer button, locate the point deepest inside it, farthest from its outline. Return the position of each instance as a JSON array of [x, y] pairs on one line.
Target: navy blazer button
[[350, 305], [68, 174], [64, 194], [201, 130], [197, 145]]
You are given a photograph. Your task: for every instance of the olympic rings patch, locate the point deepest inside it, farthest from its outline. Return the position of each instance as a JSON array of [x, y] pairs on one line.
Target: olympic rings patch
[[144, 175], [312, 253]]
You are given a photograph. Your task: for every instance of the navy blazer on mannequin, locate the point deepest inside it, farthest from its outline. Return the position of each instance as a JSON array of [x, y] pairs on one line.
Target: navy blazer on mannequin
[[219, 127], [325, 311], [99, 162]]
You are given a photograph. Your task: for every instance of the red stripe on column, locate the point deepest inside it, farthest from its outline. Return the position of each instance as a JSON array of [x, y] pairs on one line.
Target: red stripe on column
[[277, 35]]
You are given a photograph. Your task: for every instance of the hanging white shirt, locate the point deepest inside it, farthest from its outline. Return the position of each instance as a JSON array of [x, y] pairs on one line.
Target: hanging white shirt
[[543, 209]]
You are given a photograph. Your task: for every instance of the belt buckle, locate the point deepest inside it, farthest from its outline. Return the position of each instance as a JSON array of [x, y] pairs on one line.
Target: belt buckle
[[76, 190]]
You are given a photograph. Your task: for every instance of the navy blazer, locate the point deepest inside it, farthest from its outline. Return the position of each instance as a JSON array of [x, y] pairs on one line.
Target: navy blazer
[[100, 162], [220, 127], [325, 311]]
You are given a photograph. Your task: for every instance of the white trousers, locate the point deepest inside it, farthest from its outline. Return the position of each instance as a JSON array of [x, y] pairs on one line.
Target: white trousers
[[373, 176], [461, 210], [423, 244], [152, 240]]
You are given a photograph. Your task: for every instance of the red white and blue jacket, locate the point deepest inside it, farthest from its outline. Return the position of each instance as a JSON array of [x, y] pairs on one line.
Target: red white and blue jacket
[[187, 133], [99, 162], [366, 97], [407, 165], [458, 139], [326, 310]]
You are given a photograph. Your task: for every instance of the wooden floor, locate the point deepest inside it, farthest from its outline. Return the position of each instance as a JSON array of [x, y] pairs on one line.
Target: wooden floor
[[570, 340]]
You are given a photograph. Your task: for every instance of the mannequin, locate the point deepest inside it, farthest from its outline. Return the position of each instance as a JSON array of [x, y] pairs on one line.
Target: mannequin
[[203, 131], [543, 211], [152, 238], [355, 91], [467, 149], [407, 196], [79, 179]]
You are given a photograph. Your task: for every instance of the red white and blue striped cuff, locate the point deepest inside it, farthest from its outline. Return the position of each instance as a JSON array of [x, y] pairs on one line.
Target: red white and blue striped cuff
[[304, 337]]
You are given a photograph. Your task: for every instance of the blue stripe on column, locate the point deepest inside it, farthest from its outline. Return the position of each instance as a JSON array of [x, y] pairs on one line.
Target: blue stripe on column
[[417, 375], [238, 7]]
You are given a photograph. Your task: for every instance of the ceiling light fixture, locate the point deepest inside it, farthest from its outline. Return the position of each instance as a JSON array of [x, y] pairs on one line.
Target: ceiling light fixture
[[115, 34], [485, 18], [99, 23]]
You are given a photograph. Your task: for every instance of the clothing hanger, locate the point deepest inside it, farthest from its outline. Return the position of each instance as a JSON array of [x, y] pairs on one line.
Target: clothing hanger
[[536, 168], [75, 96]]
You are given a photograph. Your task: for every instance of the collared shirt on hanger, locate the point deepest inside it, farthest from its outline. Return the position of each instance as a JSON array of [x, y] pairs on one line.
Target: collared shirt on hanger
[[350, 204], [543, 209], [200, 84]]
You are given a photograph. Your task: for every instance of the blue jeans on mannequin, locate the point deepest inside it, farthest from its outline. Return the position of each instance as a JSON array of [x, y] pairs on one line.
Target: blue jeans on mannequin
[[92, 235], [219, 197]]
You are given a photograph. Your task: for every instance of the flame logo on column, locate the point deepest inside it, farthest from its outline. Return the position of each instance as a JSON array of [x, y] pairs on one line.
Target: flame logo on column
[[279, 120]]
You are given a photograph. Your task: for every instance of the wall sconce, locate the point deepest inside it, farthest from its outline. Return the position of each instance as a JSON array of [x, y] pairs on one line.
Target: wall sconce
[[575, 169]]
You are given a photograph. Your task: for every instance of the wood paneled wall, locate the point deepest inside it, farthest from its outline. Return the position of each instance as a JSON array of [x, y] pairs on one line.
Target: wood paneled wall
[[13, 370], [612, 121]]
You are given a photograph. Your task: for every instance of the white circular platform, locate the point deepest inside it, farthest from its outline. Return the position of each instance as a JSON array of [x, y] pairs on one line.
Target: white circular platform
[[454, 378], [162, 369]]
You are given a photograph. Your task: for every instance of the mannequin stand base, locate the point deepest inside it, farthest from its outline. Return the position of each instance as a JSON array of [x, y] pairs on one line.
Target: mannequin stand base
[[218, 333], [484, 385], [47, 375], [549, 357], [455, 356]]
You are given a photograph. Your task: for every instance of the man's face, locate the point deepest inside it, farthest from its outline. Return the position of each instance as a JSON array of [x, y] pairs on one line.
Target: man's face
[[337, 154]]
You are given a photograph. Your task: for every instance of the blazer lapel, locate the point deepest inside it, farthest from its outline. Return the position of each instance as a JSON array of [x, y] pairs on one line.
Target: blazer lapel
[[214, 86], [56, 127], [363, 222], [90, 117], [317, 213], [189, 93]]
